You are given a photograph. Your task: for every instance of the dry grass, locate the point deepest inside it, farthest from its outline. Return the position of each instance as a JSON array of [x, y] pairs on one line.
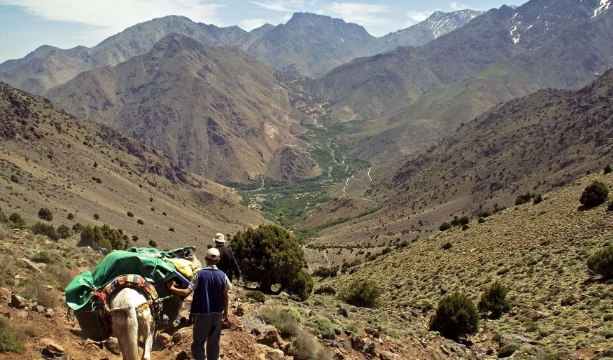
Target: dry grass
[[538, 251]]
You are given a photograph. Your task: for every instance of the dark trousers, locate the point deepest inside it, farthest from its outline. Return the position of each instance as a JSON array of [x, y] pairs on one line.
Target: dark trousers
[[207, 329]]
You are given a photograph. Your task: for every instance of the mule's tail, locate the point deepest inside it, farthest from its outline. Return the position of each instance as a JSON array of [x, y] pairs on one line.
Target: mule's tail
[[125, 327]]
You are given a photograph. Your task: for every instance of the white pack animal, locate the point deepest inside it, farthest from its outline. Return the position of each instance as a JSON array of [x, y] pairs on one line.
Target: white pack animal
[[131, 318]]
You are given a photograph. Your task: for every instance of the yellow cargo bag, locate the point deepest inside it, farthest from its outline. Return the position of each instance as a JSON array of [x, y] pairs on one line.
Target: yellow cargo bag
[[185, 267]]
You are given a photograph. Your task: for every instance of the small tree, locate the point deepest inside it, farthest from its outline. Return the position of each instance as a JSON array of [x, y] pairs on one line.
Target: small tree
[[46, 229], [455, 316], [494, 300], [130, 214], [45, 214], [152, 243], [96, 216], [301, 285], [445, 226], [363, 293], [70, 216], [16, 221], [601, 262], [269, 255], [595, 194], [140, 221], [64, 231]]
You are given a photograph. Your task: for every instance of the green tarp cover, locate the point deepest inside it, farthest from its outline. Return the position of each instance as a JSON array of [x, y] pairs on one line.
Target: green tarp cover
[[146, 262]]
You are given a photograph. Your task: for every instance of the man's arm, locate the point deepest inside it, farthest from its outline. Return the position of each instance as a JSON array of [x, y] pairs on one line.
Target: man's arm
[[182, 292], [225, 305]]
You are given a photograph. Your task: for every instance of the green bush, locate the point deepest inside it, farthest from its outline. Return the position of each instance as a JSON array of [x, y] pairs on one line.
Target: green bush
[[523, 199], [301, 285], [324, 272], [70, 216], [103, 237], [269, 255], [16, 221], [601, 262], [10, 341], [305, 346], [447, 246], [594, 195], [494, 300], [286, 320], [64, 231], [538, 199], [507, 350], [140, 221], [152, 243], [45, 214], [445, 226], [130, 214], [46, 229], [608, 169], [363, 293], [325, 290], [256, 295], [456, 315], [96, 216], [323, 326], [610, 207]]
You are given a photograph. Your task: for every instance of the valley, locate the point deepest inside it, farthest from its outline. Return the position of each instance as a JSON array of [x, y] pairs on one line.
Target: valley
[[439, 192]]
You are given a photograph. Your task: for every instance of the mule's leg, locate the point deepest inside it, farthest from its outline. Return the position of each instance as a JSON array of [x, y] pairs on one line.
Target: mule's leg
[[147, 328]]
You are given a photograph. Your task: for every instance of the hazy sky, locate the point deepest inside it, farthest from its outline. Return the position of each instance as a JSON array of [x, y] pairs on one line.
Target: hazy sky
[[28, 24]]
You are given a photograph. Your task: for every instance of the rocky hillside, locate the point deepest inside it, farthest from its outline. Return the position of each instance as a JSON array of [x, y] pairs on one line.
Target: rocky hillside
[[559, 310], [51, 159], [307, 45], [215, 111]]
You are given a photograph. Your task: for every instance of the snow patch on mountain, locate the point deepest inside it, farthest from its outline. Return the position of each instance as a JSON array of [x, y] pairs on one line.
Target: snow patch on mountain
[[604, 6]]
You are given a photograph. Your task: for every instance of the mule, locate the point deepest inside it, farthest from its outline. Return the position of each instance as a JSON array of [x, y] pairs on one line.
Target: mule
[[131, 316]]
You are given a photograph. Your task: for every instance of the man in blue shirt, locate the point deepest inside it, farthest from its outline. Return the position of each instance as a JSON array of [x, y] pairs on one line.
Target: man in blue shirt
[[209, 309]]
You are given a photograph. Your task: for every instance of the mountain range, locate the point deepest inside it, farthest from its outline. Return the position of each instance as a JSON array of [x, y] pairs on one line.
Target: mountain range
[[307, 45]]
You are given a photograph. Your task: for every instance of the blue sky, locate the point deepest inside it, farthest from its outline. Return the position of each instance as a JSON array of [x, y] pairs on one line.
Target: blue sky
[[28, 24]]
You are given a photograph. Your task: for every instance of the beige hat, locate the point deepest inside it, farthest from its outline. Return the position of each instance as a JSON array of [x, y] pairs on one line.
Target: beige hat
[[220, 238], [212, 254]]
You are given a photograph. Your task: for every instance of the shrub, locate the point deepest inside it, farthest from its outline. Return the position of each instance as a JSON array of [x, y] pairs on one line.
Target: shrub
[[152, 243], [447, 246], [594, 195], [96, 216], [140, 221], [103, 237], [76, 228], [64, 231], [286, 320], [35, 290], [269, 255], [46, 229], [523, 199], [494, 300], [15, 179], [134, 238], [301, 285], [16, 221], [45, 214], [325, 290], [10, 341], [601, 262], [256, 295], [70, 216], [363, 293], [305, 346], [507, 350], [171, 229], [323, 326], [324, 272], [465, 227], [456, 315], [130, 214], [444, 226], [610, 207], [608, 169], [538, 199]]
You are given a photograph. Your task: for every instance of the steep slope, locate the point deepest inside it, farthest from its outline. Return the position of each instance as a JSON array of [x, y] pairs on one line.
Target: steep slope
[[435, 26], [531, 144], [368, 88], [215, 111], [538, 252], [51, 159], [307, 45]]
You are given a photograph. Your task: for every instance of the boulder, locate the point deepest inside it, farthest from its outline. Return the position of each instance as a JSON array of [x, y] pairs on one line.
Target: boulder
[[18, 302], [269, 337], [164, 340], [357, 343], [387, 355]]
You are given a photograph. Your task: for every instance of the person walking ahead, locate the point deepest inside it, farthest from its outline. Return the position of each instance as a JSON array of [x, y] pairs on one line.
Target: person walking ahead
[[228, 263], [209, 306]]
